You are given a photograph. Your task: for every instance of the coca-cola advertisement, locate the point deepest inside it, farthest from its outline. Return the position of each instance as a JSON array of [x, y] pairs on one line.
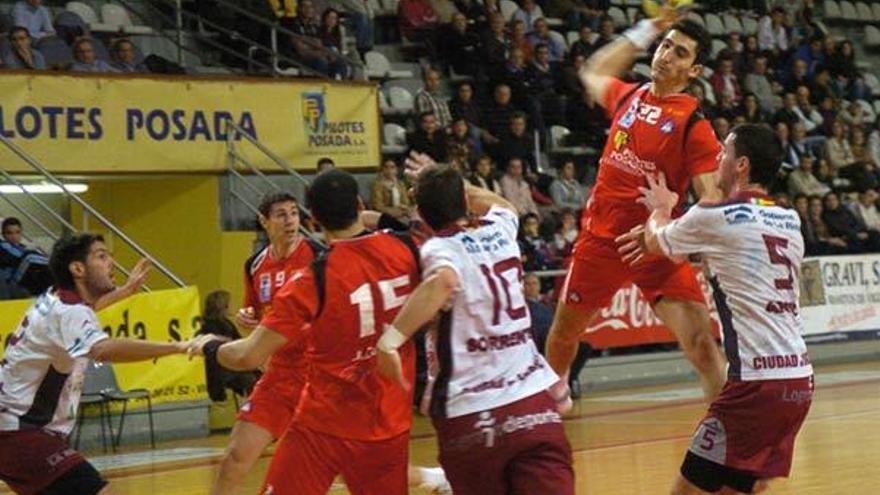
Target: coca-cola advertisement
[[629, 320]]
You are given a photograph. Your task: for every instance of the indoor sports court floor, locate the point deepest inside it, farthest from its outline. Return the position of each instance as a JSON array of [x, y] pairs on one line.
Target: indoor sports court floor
[[625, 442]]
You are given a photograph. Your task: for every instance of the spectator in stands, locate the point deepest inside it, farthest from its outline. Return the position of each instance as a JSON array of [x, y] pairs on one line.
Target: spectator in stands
[[464, 106], [33, 16], [463, 143], [790, 159], [843, 223], [859, 146], [587, 120], [215, 320], [726, 107], [802, 181], [330, 32], [124, 57], [528, 12], [874, 142], [724, 79], [865, 209], [800, 143], [541, 36], [429, 100], [570, 84], [837, 149], [462, 47], [307, 45], [759, 84], [444, 9], [812, 56], [519, 41], [797, 76], [752, 111], [85, 59], [566, 191], [389, 193], [788, 114], [541, 313], [825, 242], [473, 11], [23, 270], [844, 70], [806, 112], [721, 126], [515, 188], [772, 35], [429, 138], [498, 113], [583, 46], [484, 175], [606, 33], [325, 163], [495, 46], [357, 15], [538, 253], [542, 81], [418, 22], [733, 49], [20, 54], [808, 231], [517, 143], [853, 114], [567, 232]]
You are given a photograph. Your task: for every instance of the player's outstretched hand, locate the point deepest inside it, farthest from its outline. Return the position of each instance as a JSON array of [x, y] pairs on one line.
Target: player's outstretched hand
[[415, 163], [246, 318], [138, 275], [389, 365], [195, 346], [631, 245], [657, 196]]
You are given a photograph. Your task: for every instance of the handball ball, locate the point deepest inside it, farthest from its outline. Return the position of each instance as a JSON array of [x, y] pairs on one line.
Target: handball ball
[[652, 7]]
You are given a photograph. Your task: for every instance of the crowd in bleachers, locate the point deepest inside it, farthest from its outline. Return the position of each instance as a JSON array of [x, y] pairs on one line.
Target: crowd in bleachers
[[518, 120]]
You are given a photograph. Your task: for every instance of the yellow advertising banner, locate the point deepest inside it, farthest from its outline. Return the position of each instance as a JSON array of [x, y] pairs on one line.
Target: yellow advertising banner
[[158, 316], [121, 123]]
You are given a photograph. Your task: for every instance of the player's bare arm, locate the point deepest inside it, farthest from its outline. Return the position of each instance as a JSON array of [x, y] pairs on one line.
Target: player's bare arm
[[125, 350], [244, 354], [480, 200], [612, 60], [424, 303]]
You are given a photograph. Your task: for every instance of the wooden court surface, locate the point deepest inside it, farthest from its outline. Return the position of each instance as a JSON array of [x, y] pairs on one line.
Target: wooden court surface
[[629, 441]]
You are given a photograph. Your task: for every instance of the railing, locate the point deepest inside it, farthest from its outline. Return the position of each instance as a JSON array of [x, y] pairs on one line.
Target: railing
[[39, 168], [181, 17], [234, 158]]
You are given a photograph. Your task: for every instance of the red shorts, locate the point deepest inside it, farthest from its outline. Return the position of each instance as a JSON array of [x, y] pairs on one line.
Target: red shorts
[[31, 460], [597, 272], [306, 462], [517, 448], [273, 402], [752, 425]]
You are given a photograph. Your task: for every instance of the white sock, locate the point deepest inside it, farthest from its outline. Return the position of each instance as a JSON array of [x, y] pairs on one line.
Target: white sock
[[432, 477]]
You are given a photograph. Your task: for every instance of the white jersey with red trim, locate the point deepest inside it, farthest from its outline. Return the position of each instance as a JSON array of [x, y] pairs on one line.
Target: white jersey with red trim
[[754, 251], [42, 373], [482, 355]]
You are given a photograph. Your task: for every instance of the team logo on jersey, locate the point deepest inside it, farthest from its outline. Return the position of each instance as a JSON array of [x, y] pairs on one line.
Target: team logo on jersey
[[265, 288], [621, 139], [667, 126], [739, 214], [574, 297], [629, 118]]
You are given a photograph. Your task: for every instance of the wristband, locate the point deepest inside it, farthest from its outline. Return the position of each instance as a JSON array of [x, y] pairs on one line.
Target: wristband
[[391, 339], [209, 350], [642, 34]]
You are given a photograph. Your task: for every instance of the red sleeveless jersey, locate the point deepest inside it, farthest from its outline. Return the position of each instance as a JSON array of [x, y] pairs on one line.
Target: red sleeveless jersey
[[648, 135], [338, 308]]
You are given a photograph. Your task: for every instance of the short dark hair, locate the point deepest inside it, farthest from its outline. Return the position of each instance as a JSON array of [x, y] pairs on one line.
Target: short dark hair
[[9, 222], [273, 199], [67, 250], [326, 159], [333, 198], [17, 29], [425, 114], [440, 196], [762, 147], [699, 34], [117, 45]]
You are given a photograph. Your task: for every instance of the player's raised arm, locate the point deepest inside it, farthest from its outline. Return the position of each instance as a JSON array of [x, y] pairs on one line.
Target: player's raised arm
[[614, 59], [480, 200]]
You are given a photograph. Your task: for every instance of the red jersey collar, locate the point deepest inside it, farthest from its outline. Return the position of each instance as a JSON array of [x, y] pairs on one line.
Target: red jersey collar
[[68, 296]]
